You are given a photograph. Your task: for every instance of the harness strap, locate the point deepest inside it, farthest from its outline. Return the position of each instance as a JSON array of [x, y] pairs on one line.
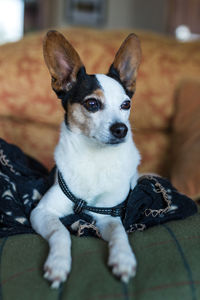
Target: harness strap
[[80, 204]]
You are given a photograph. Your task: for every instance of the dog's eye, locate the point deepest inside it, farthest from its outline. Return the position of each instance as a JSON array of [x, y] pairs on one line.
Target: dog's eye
[[92, 104], [126, 105]]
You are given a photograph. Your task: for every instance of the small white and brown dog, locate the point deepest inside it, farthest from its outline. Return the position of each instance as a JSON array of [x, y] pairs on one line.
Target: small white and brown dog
[[95, 154]]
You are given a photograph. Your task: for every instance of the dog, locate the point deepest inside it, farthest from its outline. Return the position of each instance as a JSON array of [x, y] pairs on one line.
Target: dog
[[95, 155]]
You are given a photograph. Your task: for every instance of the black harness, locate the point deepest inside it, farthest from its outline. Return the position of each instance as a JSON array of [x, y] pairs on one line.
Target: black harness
[[80, 204]]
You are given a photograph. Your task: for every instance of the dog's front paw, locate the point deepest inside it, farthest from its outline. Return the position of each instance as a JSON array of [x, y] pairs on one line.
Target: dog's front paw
[[57, 268], [123, 262]]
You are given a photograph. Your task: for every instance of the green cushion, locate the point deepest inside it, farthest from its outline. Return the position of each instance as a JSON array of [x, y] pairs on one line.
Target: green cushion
[[168, 266]]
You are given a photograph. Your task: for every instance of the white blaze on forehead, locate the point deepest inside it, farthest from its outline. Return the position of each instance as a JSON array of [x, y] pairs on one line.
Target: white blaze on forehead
[[113, 91]]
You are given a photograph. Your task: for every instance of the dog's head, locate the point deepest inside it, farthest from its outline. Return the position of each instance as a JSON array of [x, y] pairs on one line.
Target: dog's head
[[96, 106]]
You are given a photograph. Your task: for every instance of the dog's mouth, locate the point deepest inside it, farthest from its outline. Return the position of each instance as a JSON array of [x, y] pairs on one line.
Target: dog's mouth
[[115, 141], [112, 141]]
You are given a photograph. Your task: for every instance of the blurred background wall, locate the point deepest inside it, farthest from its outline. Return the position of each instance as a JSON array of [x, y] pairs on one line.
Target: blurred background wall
[[145, 14], [164, 16]]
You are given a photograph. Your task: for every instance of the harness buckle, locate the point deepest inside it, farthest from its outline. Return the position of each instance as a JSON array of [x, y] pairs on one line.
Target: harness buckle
[[79, 206]]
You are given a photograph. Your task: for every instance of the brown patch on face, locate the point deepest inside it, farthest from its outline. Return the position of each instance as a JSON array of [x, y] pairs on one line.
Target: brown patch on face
[[78, 118], [99, 94], [62, 60]]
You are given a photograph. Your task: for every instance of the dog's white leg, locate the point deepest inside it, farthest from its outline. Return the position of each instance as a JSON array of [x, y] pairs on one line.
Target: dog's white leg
[[121, 258], [58, 263]]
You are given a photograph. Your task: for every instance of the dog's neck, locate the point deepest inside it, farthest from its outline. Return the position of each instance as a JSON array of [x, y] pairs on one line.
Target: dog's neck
[[91, 169]]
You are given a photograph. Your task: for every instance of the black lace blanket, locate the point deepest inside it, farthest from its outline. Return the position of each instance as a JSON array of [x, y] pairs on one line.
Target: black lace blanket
[[23, 181]]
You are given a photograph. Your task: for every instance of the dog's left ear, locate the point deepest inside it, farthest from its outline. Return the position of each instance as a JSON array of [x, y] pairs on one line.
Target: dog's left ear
[[62, 61], [126, 63]]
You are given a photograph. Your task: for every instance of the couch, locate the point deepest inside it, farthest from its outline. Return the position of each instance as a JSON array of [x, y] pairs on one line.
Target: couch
[[165, 118]]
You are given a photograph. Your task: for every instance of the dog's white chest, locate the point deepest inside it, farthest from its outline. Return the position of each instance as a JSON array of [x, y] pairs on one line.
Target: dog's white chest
[[96, 174]]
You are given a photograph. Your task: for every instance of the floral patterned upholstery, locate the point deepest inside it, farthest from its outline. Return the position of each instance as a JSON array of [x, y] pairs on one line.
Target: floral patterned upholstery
[[30, 113]]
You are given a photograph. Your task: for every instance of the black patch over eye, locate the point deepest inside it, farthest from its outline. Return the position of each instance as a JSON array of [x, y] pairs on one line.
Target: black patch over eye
[[92, 104], [126, 105]]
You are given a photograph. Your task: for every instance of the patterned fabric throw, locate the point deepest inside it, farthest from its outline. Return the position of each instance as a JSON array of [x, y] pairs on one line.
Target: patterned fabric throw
[[23, 181]]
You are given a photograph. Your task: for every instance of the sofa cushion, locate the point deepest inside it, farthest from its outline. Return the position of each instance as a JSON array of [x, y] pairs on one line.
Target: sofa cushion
[[34, 138], [154, 148], [167, 266], [185, 171]]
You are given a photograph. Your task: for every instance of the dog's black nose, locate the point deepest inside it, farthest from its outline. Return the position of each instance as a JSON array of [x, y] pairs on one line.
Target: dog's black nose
[[119, 130]]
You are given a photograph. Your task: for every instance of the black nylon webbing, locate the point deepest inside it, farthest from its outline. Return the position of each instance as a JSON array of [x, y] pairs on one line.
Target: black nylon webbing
[[116, 211]]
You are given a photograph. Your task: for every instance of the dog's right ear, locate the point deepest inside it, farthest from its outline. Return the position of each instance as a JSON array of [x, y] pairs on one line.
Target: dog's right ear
[[62, 61]]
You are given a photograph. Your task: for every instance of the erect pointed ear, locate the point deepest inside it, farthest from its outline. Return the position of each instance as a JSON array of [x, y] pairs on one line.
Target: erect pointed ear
[[62, 61], [126, 63]]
